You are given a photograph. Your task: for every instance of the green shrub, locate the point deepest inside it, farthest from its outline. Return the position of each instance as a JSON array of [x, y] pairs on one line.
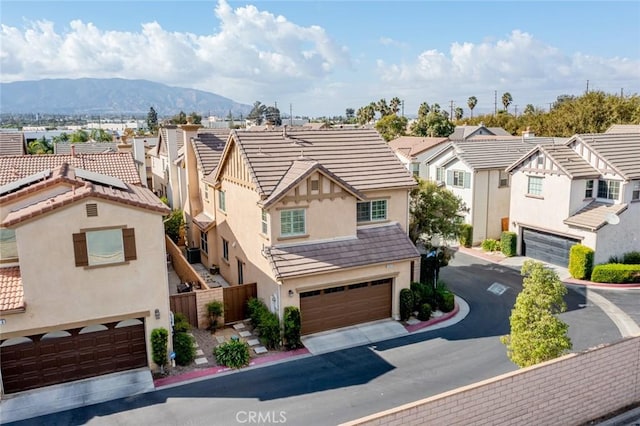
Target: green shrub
[[292, 327], [173, 224], [466, 235], [215, 309], [406, 303], [256, 308], [232, 354], [447, 301], [180, 323], [491, 245], [183, 346], [159, 342], [424, 313], [580, 261], [422, 293], [508, 241], [631, 258], [269, 329], [616, 273]]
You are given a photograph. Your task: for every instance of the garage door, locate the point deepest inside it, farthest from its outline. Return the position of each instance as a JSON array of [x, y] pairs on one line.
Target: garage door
[[547, 247], [63, 356], [345, 305]]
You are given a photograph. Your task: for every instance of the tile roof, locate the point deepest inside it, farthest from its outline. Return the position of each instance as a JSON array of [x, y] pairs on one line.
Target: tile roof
[[204, 221], [464, 132], [11, 291], [410, 146], [623, 128], [361, 158], [594, 215], [77, 189], [85, 148], [620, 150], [570, 162], [117, 164], [374, 245], [208, 147], [12, 143]]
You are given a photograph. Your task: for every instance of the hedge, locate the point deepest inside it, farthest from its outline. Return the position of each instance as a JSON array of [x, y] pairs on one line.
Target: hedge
[[490, 245], [466, 235], [406, 304], [424, 313], [616, 273], [292, 327], [508, 242], [580, 261], [184, 347]]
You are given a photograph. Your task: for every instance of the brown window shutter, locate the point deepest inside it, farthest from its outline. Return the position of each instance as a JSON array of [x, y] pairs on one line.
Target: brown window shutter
[[80, 249], [129, 241]]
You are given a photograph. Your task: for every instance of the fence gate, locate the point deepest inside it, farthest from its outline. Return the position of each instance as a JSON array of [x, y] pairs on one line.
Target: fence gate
[[185, 303], [235, 301]]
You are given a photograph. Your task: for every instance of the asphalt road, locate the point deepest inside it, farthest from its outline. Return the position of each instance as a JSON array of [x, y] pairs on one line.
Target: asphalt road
[[344, 385]]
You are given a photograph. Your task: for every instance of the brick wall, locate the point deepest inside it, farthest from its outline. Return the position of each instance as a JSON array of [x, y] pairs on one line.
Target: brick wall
[[566, 391], [202, 298]]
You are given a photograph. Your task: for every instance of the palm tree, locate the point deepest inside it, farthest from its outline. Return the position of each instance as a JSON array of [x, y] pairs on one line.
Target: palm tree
[[471, 103], [423, 110], [366, 113], [394, 104], [459, 113], [382, 107], [506, 100]]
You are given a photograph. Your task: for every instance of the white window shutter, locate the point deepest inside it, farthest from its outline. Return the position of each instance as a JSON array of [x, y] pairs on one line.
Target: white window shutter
[[467, 180], [449, 177]]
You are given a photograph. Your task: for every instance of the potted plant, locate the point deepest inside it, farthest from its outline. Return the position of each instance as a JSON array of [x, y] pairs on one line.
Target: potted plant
[[215, 310]]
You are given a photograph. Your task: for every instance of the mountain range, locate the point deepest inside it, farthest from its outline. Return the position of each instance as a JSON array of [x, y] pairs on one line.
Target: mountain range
[[111, 96]]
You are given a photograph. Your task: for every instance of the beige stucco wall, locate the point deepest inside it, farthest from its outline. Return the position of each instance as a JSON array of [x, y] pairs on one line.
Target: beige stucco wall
[[58, 293], [491, 204]]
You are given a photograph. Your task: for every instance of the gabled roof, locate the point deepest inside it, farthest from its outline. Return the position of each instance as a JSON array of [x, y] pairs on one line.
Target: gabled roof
[[594, 215], [299, 170], [620, 150], [372, 246], [92, 185], [411, 146], [359, 157], [623, 128], [565, 158], [11, 291], [208, 146], [85, 148], [117, 164], [12, 143], [165, 134], [461, 133]]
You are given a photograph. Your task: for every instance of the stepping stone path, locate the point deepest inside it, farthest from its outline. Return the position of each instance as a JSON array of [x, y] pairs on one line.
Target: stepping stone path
[[220, 339], [245, 333], [253, 342], [238, 326], [260, 350], [200, 361], [199, 352], [412, 321]]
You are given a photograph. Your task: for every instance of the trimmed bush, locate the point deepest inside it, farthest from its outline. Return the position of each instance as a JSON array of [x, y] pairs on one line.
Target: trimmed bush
[[269, 329], [215, 309], [256, 308], [292, 327], [406, 303], [422, 293], [232, 354], [580, 261], [159, 342], [616, 273], [172, 225], [447, 301], [424, 313], [631, 258], [491, 245], [183, 346], [466, 235], [508, 242], [180, 323]]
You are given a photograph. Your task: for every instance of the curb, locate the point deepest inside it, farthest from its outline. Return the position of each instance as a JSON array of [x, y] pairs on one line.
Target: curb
[[424, 324]]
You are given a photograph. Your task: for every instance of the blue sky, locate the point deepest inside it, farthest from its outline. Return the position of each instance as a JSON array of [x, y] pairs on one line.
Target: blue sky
[[324, 57]]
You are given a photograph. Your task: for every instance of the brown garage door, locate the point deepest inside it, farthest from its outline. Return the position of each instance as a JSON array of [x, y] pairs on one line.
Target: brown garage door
[[68, 355], [345, 305]]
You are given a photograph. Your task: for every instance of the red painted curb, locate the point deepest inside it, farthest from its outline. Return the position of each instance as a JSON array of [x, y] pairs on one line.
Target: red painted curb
[[425, 324], [196, 374]]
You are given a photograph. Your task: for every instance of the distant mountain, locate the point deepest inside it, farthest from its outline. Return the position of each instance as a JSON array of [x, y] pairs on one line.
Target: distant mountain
[[111, 96]]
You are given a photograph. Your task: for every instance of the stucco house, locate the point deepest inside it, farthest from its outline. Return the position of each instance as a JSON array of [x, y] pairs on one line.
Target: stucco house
[[317, 218], [167, 177], [475, 171], [584, 191], [12, 143], [463, 133], [412, 151], [83, 278]]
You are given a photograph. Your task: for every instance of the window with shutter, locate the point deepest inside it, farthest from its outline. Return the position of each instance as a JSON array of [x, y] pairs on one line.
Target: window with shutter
[[104, 247]]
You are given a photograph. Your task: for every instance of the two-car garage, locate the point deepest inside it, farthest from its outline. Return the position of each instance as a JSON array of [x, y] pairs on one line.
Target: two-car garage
[[345, 305], [546, 246]]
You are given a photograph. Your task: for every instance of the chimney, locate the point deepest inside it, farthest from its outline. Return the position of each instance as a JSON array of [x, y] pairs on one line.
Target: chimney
[[73, 150], [528, 133]]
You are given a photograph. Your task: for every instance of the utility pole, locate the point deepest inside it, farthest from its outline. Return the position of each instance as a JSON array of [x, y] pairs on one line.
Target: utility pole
[[587, 86], [550, 104], [451, 110], [495, 102], [516, 110], [291, 114], [622, 92], [402, 103]]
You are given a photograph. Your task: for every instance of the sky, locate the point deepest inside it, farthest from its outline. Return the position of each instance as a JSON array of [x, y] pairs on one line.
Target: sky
[[318, 58]]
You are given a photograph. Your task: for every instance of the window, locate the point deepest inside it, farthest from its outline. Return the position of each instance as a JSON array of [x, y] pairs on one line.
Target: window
[[292, 222], [440, 174], [540, 160], [415, 169], [503, 178], [8, 245], [206, 193], [225, 249], [265, 225], [222, 201], [371, 211], [104, 247], [458, 178], [204, 244], [635, 194], [315, 185], [609, 189], [534, 186], [240, 272], [588, 192]]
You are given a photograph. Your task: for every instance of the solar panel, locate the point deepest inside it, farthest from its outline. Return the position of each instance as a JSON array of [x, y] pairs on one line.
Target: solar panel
[[100, 178], [17, 184]]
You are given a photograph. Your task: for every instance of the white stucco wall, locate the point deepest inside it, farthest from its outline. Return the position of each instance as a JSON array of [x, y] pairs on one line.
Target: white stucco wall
[[491, 204]]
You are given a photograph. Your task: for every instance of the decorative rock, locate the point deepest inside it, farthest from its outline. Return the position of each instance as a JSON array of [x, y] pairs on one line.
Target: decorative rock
[[253, 342], [260, 350], [238, 326], [220, 339], [200, 361], [245, 333], [199, 352]]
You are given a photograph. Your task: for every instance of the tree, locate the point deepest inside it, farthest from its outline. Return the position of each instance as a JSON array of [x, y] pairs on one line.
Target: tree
[[537, 334], [257, 113], [272, 115], [350, 114], [423, 110], [40, 146], [506, 100], [435, 123], [100, 135], [391, 126], [366, 113], [152, 120], [394, 105], [179, 118], [459, 113], [62, 137], [435, 211], [471, 103], [382, 107], [195, 118], [529, 109], [79, 136]]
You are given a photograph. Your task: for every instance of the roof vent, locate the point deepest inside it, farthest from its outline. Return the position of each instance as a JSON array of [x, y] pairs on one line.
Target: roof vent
[[92, 210]]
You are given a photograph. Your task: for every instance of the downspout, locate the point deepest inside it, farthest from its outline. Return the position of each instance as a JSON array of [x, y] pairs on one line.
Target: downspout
[[486, 215]]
